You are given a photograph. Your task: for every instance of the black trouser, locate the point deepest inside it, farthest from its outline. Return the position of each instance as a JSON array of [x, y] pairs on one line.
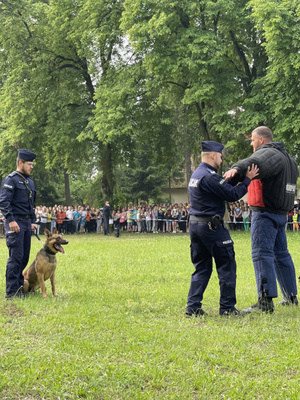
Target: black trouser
[[19, 249], [182, 225], [106, 224], [207, 244], [161, 225]]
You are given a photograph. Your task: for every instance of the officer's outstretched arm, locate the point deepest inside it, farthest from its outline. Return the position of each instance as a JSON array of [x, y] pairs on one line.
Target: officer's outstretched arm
[[230, 174]]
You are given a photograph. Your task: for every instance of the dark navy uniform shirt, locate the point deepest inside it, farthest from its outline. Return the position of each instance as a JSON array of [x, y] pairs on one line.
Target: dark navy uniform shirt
[[209, 191], [14, 197]]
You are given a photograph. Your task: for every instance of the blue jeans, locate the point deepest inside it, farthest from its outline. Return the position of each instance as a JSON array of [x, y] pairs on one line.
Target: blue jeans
[[270, 255], [53, 225]]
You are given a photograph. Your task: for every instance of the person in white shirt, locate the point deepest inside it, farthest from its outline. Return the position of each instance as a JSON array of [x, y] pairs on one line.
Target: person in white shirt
[[70, 219]]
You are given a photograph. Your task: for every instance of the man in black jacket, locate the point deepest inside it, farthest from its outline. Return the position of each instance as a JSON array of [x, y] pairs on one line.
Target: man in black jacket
[[270, 196], [106, 216]]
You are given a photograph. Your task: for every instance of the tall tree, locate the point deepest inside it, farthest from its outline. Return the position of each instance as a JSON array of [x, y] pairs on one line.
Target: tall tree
[[54, 56], [206, 49], [278, 21]]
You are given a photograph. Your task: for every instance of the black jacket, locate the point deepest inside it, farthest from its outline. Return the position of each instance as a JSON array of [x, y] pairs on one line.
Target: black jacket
[[278, 173], [106, 211]]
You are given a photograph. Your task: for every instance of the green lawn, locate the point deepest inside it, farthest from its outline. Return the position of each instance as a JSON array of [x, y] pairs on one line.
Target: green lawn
[[118, 330]]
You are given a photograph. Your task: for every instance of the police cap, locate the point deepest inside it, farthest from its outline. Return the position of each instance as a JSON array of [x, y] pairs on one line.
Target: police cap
[[26, 155], [208, 146]]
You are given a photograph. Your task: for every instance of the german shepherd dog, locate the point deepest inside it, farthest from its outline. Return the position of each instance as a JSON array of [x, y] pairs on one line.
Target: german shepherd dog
[[43, 267]]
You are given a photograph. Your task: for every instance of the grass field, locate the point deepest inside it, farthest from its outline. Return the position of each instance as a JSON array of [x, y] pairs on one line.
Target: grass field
[[118, 331]]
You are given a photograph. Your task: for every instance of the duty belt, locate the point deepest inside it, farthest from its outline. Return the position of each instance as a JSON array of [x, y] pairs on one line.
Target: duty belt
[[194, 218], [213, 221], [27, 216]]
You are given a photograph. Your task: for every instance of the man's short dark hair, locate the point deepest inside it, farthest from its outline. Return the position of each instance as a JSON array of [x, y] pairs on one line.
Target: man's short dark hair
[[265, 132], [19, 159]]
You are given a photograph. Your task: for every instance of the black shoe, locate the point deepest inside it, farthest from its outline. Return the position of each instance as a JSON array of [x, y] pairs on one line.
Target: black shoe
[[227, 313], [10, 296], [289, 301], [198, 313], [265, 304], [20, 294]]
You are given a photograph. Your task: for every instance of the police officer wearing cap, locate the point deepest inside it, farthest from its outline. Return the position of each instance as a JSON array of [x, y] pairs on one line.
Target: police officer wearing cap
[[209, 238], [17, 198]]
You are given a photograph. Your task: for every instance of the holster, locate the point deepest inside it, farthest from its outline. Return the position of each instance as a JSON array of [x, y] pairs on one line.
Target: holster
[[216, 220]]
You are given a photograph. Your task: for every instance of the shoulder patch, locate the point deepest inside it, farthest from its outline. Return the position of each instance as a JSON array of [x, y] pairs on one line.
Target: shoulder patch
[[7, 186], [290, 188], [193, 182]]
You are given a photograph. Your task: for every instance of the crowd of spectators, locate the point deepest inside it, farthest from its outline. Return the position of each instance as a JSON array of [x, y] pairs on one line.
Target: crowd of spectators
[[144, 218], [153, 218], [68, 220], [240, 214], [136, 219]]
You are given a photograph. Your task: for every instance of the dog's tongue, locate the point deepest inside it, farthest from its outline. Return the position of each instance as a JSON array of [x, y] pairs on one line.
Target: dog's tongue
[[59, 248]]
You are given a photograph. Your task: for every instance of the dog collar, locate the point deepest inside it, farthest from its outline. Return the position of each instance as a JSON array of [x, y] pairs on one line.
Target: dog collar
[[50, 252]]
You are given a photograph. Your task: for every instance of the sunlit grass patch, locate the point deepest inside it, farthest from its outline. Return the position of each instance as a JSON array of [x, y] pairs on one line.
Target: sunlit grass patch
[[118, 330]]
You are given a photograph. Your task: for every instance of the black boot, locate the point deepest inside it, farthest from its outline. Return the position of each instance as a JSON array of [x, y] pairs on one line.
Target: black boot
[[289, 301], [265, 304]]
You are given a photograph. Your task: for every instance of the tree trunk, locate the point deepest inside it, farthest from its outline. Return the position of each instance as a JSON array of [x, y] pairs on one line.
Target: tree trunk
[[187, 152], [188, 164], [67, 188], [107, 173], [170, 195], [203, 127]]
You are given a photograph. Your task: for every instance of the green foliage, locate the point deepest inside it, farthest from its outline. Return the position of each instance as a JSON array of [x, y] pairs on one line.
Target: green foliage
[[48, 69], [118, 331], [203, 48], [96, 80], [48, 192], [86, 184], [278, 22], [143, 180]]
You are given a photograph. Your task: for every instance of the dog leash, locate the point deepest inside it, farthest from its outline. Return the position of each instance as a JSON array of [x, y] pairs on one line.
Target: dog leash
[[38, 238]]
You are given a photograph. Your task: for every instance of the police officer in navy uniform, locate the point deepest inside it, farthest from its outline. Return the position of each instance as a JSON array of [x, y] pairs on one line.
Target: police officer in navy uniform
[[209, 238], [17, 198]]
